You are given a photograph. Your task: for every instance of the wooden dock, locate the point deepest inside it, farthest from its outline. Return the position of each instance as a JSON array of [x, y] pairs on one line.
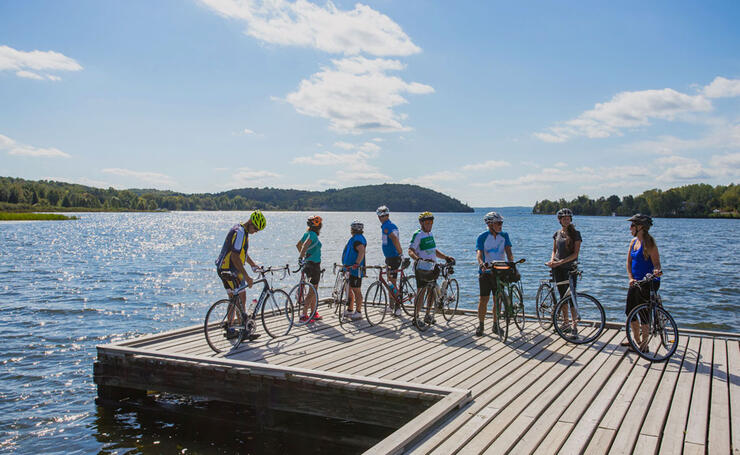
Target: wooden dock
[[446, 391]]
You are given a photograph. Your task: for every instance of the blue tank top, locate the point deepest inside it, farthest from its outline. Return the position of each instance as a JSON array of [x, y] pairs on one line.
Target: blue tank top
[[349, 255], [640, 265]]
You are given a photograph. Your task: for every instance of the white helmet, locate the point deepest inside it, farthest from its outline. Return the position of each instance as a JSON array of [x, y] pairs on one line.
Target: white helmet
[[492, 217], [382, 211], [357, 225], [565, 212]]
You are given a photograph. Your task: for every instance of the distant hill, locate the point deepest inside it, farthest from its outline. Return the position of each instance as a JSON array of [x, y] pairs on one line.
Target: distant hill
[[27, 195]]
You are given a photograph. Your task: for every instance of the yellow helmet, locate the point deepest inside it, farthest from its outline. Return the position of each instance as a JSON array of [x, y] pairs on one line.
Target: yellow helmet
[[426, 216], [258, 220]]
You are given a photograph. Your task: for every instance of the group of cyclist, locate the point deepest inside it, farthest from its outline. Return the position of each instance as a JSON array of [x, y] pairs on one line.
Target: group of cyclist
[[492, 245]]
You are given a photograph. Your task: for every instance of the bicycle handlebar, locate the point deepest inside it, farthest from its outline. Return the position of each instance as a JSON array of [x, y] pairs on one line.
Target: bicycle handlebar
[[503, 264], [647, 279]]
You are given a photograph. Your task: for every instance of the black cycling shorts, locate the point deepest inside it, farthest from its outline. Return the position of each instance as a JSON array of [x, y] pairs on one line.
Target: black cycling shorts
[[394, 264], [355, 281], [637, 295], [313, 272], [487, 283], [423, 277]]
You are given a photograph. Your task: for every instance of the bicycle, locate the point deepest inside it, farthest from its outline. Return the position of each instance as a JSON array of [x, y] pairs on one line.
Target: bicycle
[[300, 294], [659, 332], [576, 312], [445, 297], [545, 300], [376, 297], [508, 300], [340, 293], [227, 323]]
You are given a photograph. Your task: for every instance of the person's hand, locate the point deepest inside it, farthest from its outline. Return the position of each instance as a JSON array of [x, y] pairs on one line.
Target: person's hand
[[250, 281], [256, 268], [450, 260], [632, 282], [301, 261], [657, 272]]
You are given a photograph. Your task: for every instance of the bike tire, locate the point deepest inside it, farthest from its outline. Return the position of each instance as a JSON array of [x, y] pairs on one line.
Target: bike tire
[[298, 296], [450, 299], [517, 307], [376, 303], [408, 294], [662, 335], [503, 315], [343, 303], [217, 326], [544, 305], [423, 311], [277, 313], [591, 319]]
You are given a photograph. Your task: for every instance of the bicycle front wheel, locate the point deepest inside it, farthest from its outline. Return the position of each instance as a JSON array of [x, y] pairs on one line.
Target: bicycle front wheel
[[501, 319], [544, 305], [305, 302], [655, 340], [376, 303], [450, 299], [224, 326], [517, 307], [423, 309], [408, 294], [277, 313], [580, 322], [342, 309]]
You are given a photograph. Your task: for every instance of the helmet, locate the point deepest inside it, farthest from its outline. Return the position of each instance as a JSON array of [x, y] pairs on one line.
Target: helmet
[[314, 220], [493, 217], [382, 211], [426, 216], [565, 212], [258, 220], [357, 225], [643, 220]]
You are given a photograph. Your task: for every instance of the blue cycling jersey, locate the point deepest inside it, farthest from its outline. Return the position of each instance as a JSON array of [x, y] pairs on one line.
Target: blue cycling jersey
[[389, 248], [349, 255], [493, 247]]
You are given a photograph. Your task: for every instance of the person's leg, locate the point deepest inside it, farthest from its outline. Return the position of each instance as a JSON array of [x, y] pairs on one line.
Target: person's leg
[[358, 299]]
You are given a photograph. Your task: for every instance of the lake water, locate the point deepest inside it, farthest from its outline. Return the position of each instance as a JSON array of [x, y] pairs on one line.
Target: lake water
[[66, 287]]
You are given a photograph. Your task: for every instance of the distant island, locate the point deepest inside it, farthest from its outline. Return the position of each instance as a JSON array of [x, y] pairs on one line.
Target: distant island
[[690, 201], [19, 195]]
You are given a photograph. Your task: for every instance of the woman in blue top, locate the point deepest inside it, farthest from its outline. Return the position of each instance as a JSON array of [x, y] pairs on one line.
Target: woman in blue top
[[354, 256], [642, 258], [309, 247]]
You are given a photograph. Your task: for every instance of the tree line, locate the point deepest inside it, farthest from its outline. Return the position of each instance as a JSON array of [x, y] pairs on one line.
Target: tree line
[[690, 201], [45, 195]]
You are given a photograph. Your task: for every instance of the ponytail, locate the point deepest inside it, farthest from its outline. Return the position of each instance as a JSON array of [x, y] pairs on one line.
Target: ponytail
[[570, 235], [648, 244]]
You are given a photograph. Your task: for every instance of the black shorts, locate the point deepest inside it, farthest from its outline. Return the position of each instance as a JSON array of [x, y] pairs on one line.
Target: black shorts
[[637, 295], [562, 274], [230, 280], [313, 272], [394, 264], [487, 283], [355, 281], [424, 277]]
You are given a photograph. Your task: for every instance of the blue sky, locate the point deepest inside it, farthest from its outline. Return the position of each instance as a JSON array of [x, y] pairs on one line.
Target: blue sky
[[495, 103]]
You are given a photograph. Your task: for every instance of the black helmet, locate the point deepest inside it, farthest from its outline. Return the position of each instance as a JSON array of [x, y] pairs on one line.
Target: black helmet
[[643, 220], [565, 212]]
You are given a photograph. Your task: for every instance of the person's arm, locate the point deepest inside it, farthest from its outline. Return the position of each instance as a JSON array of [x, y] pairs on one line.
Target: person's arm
[[299, 245], [412, 254], [237, 261], [304, 248], [554, 249], [479, 257], [509, 254], [441, 255], [396, 243], [629, 262], [655, 257], [360, 254], [573, 256]]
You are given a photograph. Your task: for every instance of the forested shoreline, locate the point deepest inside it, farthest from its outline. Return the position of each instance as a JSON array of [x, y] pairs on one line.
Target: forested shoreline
[[689, 201], [20, 195]]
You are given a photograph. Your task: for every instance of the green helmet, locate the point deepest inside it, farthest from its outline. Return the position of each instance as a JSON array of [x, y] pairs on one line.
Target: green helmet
[[258, 220]]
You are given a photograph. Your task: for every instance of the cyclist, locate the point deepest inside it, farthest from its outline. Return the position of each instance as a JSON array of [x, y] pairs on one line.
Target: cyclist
[[309, 248], [492, 245], [391, 247], [642, 258], [354, 256], [234, 255], [566, 244], [423, 250]]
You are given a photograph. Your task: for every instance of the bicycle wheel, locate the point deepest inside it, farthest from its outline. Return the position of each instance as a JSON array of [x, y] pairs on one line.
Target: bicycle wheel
[[343, 303], [517, 307], [658, 338], [423, 311], [450, 299], [277, 313], [544, 304], [224, 326], [299, 297], [408, 294], [376, 303], [503, 315], [581, 324]]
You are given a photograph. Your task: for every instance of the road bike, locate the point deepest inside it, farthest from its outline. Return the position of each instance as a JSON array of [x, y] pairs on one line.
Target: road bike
[[442, 298], [377, 304], [305, 298], [658, 338], [341, 290], [578, 317], [228, 322], [508, 299]]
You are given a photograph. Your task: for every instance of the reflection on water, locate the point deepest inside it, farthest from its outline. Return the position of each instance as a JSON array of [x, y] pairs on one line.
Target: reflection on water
[[66, 287]]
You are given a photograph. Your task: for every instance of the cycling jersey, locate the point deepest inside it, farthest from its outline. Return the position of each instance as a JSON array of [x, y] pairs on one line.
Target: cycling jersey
[[493, 247], [313, 253], [236, 240], [349, 255], [422, 243], [389, 248]]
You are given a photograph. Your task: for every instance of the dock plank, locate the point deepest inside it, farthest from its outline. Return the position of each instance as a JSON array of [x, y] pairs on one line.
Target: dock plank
[[719, 411], [696, 426]]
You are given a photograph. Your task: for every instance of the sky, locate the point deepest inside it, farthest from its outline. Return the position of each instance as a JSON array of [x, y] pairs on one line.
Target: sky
[[494, 103]]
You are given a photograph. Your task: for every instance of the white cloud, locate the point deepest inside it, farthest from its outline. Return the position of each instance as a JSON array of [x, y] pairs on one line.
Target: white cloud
[[730, 161], [722, 88], [486, 166], [722, 136], [22, 62], [144, 176], [18, 149], [369, 174], [329, 29], [356, 96], [627, 110], [247, 131], [367, 147], [250, 177], [356, 161], [441, 176]]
